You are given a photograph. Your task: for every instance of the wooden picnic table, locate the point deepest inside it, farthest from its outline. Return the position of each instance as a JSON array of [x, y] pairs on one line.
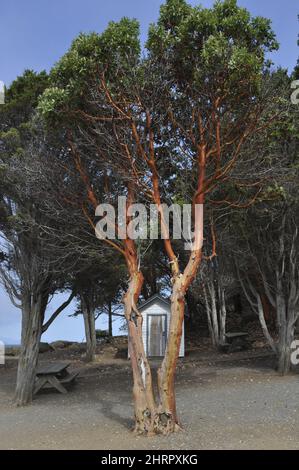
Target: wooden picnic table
[[55, 376], [234, 341], [231, 337]]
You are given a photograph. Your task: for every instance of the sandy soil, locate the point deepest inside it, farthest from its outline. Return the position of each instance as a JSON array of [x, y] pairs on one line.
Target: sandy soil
[[225, 402]]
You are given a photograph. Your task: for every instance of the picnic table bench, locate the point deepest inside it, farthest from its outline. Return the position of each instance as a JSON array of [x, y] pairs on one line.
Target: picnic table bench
[[235, 342], [54, 376]]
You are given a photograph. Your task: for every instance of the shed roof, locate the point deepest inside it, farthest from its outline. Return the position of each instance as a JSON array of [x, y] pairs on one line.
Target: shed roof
[[153, 299]]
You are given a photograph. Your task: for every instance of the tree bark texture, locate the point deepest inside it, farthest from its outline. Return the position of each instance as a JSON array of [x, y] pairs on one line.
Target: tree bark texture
[[32, 319]]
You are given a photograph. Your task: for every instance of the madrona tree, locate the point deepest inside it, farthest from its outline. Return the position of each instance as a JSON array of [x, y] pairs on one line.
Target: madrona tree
[[189, 107]]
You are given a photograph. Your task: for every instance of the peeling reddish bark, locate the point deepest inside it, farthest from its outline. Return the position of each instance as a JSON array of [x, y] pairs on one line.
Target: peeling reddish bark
[[166, 373], [144, 403]]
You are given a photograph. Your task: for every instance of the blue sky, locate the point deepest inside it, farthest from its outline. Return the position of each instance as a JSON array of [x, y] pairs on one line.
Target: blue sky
[[35, 33]]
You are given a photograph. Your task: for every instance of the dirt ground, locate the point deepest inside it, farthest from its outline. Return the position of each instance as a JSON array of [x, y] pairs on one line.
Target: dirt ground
[[228, 401]]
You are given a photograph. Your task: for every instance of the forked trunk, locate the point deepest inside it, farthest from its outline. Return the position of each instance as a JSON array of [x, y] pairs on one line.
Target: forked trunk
[[216, 313], [31, 334], [167, 414]]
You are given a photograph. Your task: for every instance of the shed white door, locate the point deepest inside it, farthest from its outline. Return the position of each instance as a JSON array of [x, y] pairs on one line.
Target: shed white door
[[156, 334]]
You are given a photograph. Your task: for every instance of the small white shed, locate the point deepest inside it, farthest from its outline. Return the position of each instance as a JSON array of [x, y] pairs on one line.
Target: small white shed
[[156, 319]]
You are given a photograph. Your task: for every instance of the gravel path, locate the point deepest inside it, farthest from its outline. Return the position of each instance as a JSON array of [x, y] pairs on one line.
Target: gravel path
[[247, 406]]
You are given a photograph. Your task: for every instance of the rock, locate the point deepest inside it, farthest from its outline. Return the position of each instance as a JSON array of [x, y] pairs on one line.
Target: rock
[[58, 344], [45, 347], [61, 344], [12, 351]]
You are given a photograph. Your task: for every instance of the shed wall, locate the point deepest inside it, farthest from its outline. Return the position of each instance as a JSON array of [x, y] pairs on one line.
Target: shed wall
[[158, 308]]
